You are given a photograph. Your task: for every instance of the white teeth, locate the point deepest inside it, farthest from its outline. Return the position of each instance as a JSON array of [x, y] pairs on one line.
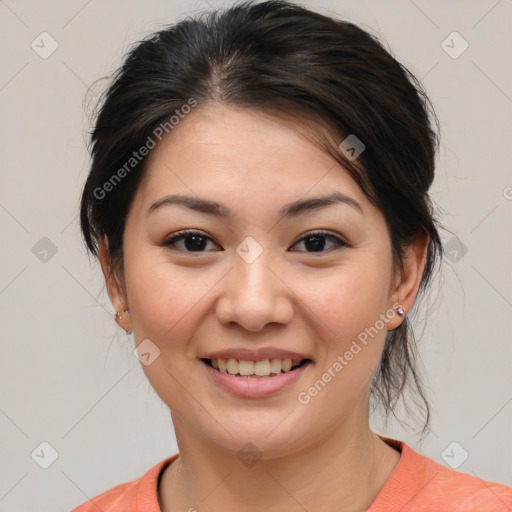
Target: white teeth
[[262, 368], [246, 367], [286, 365], [275, 365], [232, 366]]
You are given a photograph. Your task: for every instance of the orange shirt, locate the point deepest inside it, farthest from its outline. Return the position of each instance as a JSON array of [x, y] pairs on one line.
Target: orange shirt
[[418, 484]]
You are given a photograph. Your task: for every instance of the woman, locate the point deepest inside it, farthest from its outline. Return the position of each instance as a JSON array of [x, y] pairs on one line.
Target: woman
[[258, 200]]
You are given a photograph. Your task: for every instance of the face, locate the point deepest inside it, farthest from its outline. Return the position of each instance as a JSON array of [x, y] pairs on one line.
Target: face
[[316, 282]]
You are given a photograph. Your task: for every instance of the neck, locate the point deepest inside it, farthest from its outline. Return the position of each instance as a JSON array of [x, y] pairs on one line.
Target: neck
[[343, 470]]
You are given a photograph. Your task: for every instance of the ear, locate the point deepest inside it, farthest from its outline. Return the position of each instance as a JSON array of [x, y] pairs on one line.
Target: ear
[[405, 285], [115, 292]]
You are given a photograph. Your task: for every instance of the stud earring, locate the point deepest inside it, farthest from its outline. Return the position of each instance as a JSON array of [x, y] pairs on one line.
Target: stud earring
[[400, 311], [119, 316]]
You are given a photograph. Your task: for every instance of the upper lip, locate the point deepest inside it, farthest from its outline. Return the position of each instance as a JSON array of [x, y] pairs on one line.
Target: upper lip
[[255, 354]]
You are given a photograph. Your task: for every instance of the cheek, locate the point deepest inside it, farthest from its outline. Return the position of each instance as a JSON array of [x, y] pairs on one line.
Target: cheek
[[348, 299], [347, 309], [164, 300], [161, 295], [347, 304]]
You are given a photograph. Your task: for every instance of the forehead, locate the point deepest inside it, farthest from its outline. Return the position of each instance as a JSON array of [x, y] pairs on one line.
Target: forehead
[[232, 154]]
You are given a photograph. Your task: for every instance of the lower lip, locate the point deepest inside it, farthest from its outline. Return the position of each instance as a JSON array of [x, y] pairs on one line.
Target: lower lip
[[250, 387]]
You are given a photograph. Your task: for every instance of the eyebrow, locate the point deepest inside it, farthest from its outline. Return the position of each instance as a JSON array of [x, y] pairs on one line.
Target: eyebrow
[[287, 211]]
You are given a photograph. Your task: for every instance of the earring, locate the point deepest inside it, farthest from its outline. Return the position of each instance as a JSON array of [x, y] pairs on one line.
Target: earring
[[119, 314], [400, 311]]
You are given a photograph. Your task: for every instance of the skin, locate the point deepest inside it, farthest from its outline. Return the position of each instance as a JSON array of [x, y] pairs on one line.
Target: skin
[[190, 303]]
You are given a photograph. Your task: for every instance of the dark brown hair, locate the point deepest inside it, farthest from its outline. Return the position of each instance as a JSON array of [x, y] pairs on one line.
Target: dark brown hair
[[279, 57]]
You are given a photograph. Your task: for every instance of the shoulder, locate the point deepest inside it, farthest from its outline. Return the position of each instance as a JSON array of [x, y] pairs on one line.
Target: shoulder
[[138, 495], [469, 492], [421, 484], [110, 500]]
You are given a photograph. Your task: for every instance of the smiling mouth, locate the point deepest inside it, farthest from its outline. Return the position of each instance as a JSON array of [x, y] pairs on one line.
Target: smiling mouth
[[266, 368]]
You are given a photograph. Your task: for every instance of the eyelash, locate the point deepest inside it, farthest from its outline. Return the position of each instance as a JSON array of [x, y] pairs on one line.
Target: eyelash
[[339, 243]]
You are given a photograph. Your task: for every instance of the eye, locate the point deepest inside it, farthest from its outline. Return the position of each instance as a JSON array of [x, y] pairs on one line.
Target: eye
[[316, 241], [194, 241]]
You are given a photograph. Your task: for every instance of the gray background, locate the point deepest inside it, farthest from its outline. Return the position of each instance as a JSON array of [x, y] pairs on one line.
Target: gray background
[[68, 375]]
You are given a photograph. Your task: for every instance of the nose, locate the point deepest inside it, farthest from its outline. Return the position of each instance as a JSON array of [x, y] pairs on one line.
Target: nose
[[254, 295]]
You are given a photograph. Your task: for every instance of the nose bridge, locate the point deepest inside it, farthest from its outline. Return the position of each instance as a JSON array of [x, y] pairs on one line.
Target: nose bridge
[[254, 296]]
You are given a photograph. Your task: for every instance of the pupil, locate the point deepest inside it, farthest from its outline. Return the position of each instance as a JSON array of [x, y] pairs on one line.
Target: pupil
[[197, 244], [317, 245]]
